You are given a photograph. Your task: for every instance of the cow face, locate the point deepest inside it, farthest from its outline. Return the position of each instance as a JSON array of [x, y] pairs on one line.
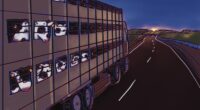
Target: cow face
[[18, 30], [84, 56], [60, 29], [43, 71], [42, 30], [75, 59], [61, 65], [20, 80], [14, 86]]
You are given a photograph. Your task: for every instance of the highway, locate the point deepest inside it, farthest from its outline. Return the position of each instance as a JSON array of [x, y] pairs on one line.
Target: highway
[[157, 80]]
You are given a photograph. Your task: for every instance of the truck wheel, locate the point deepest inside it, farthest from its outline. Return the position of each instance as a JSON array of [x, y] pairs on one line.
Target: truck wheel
[[89, 97], [116, 76], [76, 103], [126, 65]]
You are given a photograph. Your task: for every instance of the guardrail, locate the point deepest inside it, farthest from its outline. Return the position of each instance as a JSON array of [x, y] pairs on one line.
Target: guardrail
[[195, 46], [188, 44]]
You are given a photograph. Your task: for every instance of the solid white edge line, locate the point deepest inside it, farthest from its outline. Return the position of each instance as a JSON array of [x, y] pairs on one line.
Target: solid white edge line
[[137, 47], [127, 90], [149, 60], [181, 61]]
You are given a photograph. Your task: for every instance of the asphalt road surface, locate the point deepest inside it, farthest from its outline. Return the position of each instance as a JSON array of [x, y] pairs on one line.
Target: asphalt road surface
[[157, 80]]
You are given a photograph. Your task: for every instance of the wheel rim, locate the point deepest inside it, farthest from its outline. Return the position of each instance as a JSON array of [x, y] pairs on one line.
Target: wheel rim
[[126, 65], [117, 75], [89, 97], [76, 103]]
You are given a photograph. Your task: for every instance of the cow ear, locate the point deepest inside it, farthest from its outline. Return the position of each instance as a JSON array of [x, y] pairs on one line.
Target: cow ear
[[13, 74], [51, 23], [36, 23]]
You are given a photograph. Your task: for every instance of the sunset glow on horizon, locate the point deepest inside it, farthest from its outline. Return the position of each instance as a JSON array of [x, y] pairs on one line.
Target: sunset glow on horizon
[[154, 29]]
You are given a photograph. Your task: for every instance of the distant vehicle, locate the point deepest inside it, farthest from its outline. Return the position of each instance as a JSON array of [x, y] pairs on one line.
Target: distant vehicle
[[59, 54]]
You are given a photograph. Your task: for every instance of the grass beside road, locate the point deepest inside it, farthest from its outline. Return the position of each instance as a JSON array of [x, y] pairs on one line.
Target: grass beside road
[[136, 34], [192, 37]]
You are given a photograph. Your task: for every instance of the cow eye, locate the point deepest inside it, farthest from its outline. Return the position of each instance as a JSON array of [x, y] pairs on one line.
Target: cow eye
[[57, 30]]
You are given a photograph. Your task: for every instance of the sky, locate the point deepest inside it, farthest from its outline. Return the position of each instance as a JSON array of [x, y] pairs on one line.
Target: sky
[[169, 14]]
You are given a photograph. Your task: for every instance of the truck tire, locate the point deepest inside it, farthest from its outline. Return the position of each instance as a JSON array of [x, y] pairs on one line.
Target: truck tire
[[126, 65], [116, 75], [88, 95], [76, 103]]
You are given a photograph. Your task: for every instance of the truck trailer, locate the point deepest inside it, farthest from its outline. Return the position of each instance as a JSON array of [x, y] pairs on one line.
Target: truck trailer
[[59, 54]]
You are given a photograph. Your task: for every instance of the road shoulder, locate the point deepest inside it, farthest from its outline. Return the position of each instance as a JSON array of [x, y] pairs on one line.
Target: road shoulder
[[190, 56]]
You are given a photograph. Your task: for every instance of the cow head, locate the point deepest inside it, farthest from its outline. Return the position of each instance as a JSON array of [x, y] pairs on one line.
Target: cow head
[[42, 30], [18, 30], [60, 29], [61, 65], [21, 80], [43, 72]]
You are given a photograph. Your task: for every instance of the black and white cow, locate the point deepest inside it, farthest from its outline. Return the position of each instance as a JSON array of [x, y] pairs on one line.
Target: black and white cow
[[43, 71], [42, 30], [84, 56], [75, 59], [60, 29], [18, 30], [21, 80], [61, 65]]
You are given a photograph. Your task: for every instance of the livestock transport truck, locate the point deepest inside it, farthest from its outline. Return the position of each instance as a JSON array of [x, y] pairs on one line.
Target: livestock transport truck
[[59, 54]]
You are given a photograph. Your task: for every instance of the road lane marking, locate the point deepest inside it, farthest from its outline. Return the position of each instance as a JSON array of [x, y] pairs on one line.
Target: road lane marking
[[153, 50], [180, 60], [127, 90], [137, 46], [149, 60]]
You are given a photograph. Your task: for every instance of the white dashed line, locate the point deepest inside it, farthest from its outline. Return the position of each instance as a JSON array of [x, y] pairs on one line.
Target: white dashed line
[[149, 60], [127, 90]]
